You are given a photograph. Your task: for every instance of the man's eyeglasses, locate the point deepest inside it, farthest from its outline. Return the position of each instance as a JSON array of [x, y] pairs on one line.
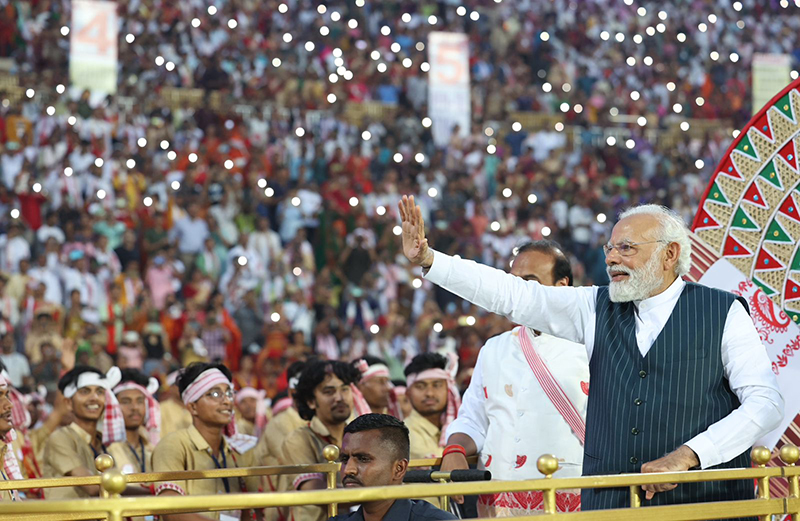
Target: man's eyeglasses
[[626, 249], [217, 395]]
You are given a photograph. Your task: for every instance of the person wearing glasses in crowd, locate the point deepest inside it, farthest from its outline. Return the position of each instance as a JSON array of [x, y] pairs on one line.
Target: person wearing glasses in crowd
[[211, 442], [680, 378]]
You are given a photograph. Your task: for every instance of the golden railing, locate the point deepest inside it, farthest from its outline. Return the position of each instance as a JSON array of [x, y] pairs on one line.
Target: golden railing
[[113, 482]]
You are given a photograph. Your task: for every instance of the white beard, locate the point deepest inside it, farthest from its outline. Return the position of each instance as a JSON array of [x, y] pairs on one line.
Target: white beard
[[641, 283]]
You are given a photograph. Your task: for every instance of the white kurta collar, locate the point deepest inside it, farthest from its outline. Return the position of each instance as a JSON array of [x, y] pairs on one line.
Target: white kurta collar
[[669, 295]]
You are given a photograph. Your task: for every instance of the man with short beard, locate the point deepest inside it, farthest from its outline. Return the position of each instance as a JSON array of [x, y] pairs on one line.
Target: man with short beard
[[680, 378], [435, 400], [324, 399]]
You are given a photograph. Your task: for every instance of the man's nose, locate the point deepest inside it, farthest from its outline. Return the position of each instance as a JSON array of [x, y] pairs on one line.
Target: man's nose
[[350, 468]]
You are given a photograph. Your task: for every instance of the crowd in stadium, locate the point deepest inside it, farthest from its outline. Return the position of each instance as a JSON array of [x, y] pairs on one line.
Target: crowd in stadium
[[150, 238]]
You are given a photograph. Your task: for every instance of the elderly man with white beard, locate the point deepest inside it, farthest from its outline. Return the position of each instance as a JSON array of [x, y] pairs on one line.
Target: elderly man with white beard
[[680, 379]]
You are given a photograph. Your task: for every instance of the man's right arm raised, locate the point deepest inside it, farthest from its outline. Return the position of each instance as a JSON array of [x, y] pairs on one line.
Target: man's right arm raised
[[564, 312]]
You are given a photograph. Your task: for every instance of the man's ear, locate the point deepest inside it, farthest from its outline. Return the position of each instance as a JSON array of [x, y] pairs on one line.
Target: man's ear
[[672, 254], [192, 408], [563, 281], [399, 470]]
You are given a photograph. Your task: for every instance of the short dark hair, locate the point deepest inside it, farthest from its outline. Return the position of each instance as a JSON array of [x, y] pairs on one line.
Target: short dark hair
[[424, 362], [370, 360], [296, 369], [313, 375], [561, 265], [195, 369], [135, 376], [393, 431], [71, 376]]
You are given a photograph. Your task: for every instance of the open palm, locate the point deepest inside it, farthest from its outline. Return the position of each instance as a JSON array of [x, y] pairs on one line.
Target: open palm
[[415, 245]]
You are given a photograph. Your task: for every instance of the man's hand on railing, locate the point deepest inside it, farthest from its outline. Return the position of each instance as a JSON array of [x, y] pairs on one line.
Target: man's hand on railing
[[682, 458], [455, 461]]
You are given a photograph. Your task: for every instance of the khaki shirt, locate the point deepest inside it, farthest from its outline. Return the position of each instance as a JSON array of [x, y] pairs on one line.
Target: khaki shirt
[[269, 451], [67, 449], [5, 495], [129, 462], [304, 446], [244, 426], [174, 417], [423, 436], [186, 449]]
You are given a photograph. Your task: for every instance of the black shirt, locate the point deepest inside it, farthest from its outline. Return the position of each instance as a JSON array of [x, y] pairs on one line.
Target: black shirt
[[402, 510]]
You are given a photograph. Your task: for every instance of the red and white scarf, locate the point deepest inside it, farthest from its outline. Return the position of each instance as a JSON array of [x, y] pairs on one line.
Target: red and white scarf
[[281, 405], [10, 463], [152, 419], [113, 422], [20, 416], [201, 385], [453, 396]]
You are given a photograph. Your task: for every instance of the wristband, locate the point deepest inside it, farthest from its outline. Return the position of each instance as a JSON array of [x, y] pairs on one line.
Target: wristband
[[454, 448]]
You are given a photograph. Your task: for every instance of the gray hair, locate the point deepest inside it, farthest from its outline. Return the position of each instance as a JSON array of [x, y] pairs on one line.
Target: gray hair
[[673, 229]]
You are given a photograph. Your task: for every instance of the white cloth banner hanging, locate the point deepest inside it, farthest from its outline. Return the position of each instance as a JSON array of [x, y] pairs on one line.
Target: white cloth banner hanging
[[448, 85], [93, 46]]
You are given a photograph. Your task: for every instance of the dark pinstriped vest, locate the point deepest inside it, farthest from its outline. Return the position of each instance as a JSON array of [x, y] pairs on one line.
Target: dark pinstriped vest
[[641, 408]]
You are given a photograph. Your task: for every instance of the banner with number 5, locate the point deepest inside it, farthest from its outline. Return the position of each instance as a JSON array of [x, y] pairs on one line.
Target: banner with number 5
[[93, 46], [448, 85]]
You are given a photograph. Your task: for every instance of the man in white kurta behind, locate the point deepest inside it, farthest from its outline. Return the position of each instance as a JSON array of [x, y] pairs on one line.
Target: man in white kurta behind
[[522, 403]]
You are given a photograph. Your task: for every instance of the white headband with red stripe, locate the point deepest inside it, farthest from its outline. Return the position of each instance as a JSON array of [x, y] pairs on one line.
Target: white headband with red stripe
[[113, 422], [202, 384]]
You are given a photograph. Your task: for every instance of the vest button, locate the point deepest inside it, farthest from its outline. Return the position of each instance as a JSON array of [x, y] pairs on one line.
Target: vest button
[[638, 401], [634, 431], [642, 373], [634, 460]]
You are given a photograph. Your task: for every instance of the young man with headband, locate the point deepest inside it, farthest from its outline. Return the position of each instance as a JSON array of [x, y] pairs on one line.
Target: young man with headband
[[251, 411], [374, 390], [210, 443], [431, 389], [71, 450], [142, 416], [324, 399]]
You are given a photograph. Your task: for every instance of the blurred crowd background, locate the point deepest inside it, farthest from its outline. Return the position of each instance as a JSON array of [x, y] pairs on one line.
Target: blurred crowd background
[[236, 198]]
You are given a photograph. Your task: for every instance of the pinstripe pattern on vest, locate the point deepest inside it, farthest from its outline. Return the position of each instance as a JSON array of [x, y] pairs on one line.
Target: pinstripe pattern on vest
[[641, 408]]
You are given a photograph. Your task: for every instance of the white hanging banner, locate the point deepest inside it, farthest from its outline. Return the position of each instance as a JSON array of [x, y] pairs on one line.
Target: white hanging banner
[[771, 74], [448, 85], [93, 46]]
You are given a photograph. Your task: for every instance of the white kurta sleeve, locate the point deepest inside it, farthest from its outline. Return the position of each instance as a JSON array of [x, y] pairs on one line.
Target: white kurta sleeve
[[750, 376], [564, 312], [472, 419]]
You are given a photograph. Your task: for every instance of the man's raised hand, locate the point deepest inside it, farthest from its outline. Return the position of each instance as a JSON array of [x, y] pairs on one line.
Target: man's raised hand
[[415, 245]]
